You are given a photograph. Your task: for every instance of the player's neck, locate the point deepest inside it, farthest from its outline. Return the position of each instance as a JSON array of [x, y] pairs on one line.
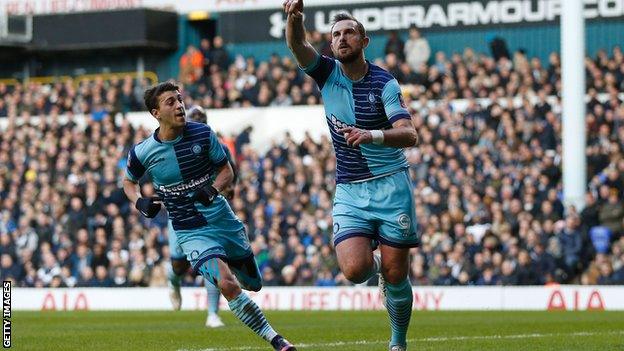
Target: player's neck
[[355, 70], [168, 133]]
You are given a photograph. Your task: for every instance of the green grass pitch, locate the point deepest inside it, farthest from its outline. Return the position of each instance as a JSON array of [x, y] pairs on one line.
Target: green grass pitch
[[340, 330]]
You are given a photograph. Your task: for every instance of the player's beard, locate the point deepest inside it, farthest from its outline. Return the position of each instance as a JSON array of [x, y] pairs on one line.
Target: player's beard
[[351, 57]]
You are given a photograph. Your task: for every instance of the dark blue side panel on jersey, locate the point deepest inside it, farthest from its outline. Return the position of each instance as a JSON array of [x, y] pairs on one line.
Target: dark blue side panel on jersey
[[352, 165]]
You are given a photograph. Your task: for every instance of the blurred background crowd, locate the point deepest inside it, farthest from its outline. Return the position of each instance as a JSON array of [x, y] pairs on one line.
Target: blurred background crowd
[[487, 173]]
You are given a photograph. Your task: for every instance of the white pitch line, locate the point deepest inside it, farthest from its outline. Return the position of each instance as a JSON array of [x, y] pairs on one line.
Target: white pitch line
[[431, 339]]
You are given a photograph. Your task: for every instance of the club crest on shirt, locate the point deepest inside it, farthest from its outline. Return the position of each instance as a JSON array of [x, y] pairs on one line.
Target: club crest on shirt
[[196, 149], [372, 101]]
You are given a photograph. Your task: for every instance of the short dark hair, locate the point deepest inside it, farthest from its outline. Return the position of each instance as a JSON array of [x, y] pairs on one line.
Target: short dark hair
[[343, 16], [152, 93]]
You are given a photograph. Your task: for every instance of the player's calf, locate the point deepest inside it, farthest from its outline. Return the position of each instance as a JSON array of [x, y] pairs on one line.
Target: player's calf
[[228, 286]]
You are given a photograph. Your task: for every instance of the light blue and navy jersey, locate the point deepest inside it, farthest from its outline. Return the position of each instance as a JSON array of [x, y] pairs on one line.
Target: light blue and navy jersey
[[179, 167], [373, 102]]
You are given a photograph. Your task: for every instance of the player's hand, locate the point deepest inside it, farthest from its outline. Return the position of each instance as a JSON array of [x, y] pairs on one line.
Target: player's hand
[[356, 136], [206, 195], [293, 7], [149, 206]]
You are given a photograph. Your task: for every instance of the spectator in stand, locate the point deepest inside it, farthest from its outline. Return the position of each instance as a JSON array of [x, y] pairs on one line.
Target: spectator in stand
[[571, 241], [219, 56], [205, 48], [10, 270], [86, 278], [606, 274], [498, 47], [488, 277], [417, 50], [49, 269], [612, 213], [395, 45], [508, 274], [191, 65]]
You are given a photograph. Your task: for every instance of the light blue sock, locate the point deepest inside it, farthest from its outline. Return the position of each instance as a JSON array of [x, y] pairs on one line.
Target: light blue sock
[[399, 304], [249, 313], [213, 297], [174, 279]]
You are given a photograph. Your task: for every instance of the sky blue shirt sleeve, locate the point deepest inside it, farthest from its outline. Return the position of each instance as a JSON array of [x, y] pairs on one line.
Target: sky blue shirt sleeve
[[134, 167], [216, 153], [393, 101]]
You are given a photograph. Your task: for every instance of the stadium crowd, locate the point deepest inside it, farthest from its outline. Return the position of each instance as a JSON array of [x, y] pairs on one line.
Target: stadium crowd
[[487, 179]]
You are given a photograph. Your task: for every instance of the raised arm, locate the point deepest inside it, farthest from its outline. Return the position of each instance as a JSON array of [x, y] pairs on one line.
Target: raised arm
[[295, 34]]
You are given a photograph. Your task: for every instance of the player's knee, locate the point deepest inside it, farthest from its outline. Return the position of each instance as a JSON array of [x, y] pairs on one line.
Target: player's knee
[[356, 275], [180, 266], [229, 287], [394, 275]]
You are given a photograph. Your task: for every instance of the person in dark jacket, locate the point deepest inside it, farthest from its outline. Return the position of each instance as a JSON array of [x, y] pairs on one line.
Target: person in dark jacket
[[543, 263], [571, 244]]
